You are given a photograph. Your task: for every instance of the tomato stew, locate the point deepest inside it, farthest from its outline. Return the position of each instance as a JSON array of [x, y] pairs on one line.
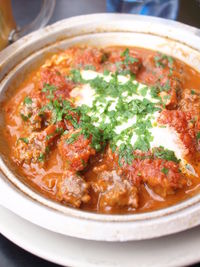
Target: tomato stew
[[113, 130]]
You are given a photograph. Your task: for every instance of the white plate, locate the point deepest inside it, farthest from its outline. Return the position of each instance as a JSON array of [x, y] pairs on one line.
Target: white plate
[[175, 250]]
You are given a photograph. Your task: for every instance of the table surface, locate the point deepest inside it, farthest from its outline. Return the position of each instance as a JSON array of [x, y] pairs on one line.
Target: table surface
[[24, 11]]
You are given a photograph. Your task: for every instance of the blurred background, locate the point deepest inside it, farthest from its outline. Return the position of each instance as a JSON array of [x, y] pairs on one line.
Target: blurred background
[[186, 11]]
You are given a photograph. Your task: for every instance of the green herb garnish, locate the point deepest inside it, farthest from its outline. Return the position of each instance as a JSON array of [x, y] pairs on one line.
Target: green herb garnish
[[76, 76], [27, 100], [128, 59], [24, 117], [41, 157], [162, 60], [162, 153], [24, 139], [72, 138], [198, 136], [193, 92], [165, 170], [49, 89]]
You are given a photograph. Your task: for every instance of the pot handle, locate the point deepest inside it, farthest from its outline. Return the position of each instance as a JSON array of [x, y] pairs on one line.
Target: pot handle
[[41, 20]]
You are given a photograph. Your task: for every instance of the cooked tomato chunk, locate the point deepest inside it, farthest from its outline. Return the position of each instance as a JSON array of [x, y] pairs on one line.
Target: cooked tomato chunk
[[114, 191], [163, 176], [180, 121], [52, 77], [72, 189], [75, 150]]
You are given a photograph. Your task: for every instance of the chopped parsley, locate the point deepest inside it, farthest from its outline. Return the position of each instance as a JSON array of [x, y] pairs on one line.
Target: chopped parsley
[[24, 139], [89, 67], [143, 91], [73, 138], [83, 162], [166, 154], [49, 136], [193, 92], [114, 104], [142, 143], [106, 72], [27, 100], [165, 87], [127, 58], [47, 149], [123, 66], [125, 153], [102, 122], [24, 117], [60, 109], [41, 157], [198, 136], [76, 76], [49, 89], [59, 130], [65, 132], [165, 170], [162, 61], [104, 58]]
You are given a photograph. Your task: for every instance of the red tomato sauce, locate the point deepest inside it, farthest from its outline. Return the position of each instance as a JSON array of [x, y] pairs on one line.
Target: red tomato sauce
[[57, 159]]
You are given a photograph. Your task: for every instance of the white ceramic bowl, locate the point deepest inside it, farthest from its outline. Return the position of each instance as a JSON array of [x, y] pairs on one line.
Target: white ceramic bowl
[[166, 36]]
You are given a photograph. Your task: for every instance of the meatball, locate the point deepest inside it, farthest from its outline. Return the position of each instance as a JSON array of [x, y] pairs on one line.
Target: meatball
[[163, 176], [171, 94], [123, 60], [35, 148], [30, 112], [72, 189], [75, 150], [114, 192], [190, 102], [88, 57], [54, 85]]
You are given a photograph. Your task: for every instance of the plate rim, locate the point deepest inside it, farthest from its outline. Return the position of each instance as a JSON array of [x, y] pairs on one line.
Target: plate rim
[[36, 251]]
